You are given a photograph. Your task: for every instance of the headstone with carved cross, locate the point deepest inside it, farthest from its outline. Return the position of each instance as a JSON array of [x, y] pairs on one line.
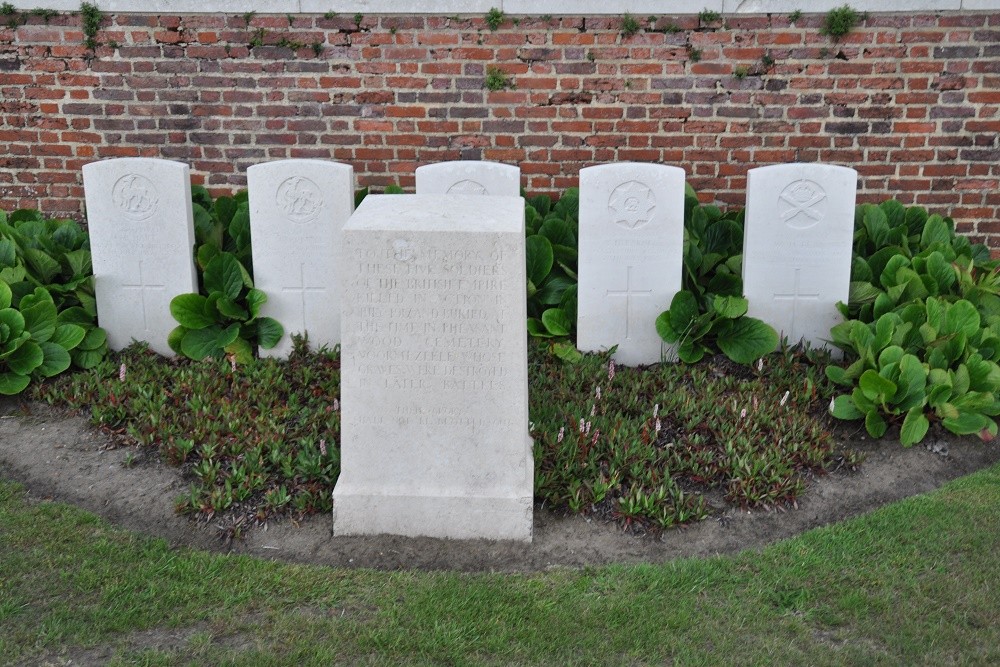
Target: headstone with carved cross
[[798, 232], [469, 177], [631, 252], [141, 242], [297, 210]]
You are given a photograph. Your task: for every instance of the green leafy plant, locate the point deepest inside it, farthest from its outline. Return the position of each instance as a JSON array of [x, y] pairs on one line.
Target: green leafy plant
[[32, 341], [741, 71], [724, 325], [709, 313], [839, 21], [91, 18], [902, 255], [494, 19], [920, 294], [224, 318], [924, 360], [694, 55], [257, 38], [630, 25], [55, 255], [706, 16], [795, 16], [551, 251], [14, 19], [497, 79]]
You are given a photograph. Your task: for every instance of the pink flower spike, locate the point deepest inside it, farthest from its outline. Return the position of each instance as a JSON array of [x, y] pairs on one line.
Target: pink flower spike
[[597, 393], [562, 434], [743, 413], [597, 434], [593, 410], [582, 423], [784, 399], [611, 369], [336, 405], [322, 447], [656, 409], [658, 426], [121, 373], [587, 431], [760, 364]]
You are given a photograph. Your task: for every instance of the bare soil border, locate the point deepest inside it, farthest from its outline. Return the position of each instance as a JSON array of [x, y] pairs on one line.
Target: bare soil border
[[59, 457]]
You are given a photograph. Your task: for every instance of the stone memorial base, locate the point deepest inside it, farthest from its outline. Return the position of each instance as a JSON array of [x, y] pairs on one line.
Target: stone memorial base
[[361, 511]]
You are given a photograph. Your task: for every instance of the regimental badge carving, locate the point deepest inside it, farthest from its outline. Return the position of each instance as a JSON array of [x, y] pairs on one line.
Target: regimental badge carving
[[402, 250], [631, 204], [300, 199], [802, 204], [135, 196], [468, 187]]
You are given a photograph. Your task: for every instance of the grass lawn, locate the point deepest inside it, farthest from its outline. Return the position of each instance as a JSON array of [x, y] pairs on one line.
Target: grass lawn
[[913, 583]]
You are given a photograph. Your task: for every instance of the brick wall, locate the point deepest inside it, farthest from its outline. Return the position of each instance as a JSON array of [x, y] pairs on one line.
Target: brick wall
[[912, 101]]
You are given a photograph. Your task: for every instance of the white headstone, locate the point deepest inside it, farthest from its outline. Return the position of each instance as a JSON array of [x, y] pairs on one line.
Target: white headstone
[[297, 210], [142, 244], [631, 256], [469, 177], [798, 233], [434, 386]]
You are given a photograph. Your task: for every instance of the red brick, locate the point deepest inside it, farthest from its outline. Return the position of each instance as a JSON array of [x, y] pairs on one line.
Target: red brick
[[908, 107]]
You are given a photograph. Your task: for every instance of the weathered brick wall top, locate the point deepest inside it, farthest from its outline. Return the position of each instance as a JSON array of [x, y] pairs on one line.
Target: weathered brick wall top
[[912, 101]]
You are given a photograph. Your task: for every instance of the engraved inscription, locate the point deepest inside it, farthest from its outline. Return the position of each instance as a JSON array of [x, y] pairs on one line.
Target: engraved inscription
[[629, 250], [468, 187], [434, 322], [631, 204], [802, 204], [299, 198], [135, 196]]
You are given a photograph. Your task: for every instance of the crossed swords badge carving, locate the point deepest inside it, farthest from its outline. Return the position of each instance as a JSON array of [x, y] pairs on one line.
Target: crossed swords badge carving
[[802, 204]]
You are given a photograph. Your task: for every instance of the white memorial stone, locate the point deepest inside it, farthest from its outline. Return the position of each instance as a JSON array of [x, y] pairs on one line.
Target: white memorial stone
[[434, 385], [631, 257], [798, 233], [469, 177], [297, 210], [142, 243]]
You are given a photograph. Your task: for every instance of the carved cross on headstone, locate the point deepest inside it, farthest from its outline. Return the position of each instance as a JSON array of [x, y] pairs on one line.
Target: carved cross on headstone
[[628, 293], [302, 288], [142, 286], [795, 296]]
